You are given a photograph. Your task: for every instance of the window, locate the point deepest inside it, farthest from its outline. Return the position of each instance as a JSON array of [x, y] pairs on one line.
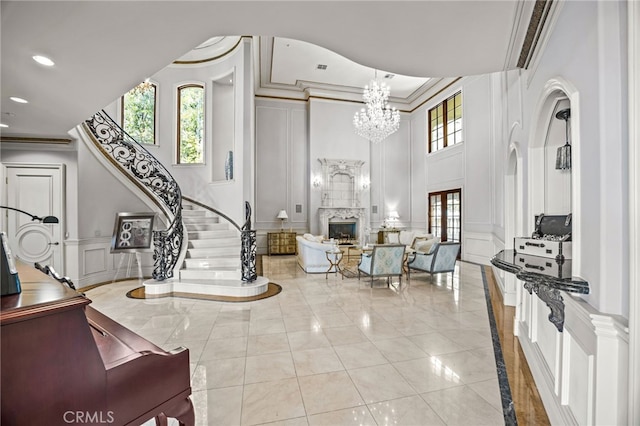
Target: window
[[190, 124], [445, 209], [139, 113], [445, 123]]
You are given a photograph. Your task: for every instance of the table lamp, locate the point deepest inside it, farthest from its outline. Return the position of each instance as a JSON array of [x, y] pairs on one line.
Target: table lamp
[[282, 215], [393, 217]]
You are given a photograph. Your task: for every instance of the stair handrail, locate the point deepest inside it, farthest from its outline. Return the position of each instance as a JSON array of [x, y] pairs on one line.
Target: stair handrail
[[150, 176], [212, 210], [247, 238]]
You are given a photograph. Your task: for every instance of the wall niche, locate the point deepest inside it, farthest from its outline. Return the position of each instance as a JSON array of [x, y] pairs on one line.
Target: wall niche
[[222, 128]]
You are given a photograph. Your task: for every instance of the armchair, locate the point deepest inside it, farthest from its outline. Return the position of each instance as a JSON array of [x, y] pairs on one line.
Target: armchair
[[441, 258], [384, 261]]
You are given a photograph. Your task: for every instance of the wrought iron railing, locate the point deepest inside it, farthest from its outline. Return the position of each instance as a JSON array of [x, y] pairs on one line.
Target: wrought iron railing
[[247, 238], [151, 177]]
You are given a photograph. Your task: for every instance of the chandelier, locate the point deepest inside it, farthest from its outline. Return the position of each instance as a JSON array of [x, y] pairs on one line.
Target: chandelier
[[377, 120]]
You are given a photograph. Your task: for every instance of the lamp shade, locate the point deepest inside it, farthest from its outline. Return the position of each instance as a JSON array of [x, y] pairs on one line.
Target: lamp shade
[[282, 215], [394, 215]]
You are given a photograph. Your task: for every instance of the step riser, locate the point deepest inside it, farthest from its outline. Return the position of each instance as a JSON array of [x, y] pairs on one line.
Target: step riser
[[206, 226], [231, 251], [223, 243], [193, 212], [231, 262], [221, 239], [204, 219], [209, 235], [192, 274]]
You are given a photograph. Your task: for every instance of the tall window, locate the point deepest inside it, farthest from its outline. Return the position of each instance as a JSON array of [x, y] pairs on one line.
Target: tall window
[[190, 124], [139, 113], [445, 123], [445, 209]]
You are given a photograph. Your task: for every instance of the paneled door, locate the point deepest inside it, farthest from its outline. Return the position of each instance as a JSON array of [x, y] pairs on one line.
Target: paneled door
[[445, 219], [36, 189]]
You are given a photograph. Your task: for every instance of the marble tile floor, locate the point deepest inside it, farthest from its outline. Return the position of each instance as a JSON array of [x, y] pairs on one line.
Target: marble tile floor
[[330, 351]]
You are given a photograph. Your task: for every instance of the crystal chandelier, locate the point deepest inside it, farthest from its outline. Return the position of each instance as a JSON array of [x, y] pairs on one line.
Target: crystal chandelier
[[377, 120]]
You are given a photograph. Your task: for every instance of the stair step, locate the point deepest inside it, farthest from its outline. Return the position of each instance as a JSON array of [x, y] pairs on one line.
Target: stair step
[[193, 213], [200, 219], [213, 235], [209, 274], [212, 262], [209, 252], [206, 226], [214, 242]]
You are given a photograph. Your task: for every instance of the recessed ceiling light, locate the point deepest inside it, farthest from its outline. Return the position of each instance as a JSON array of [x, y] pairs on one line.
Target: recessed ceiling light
[[389, 76], [43, 60], [19, 100], [3, 125]]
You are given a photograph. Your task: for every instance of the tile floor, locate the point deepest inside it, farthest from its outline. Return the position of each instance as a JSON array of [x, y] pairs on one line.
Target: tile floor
[[330, 351]]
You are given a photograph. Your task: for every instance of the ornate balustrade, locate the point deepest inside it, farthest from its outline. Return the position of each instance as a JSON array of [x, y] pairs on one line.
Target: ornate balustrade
[[146, 172]]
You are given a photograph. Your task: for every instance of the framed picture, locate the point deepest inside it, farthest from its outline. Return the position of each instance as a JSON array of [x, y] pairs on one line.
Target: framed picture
[[132, 232]]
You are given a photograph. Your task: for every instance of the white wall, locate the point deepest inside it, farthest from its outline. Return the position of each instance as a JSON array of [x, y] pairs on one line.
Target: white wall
[[591, 31], [331, 136], [581, 372], [199, 181], [400, 171], [282, 176]]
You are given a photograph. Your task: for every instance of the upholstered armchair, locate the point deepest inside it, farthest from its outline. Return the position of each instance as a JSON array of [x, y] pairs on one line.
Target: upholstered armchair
[[441, 258], [384, 261]]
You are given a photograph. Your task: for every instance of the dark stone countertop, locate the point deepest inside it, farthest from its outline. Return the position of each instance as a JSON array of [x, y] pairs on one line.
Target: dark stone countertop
[[558, 278]]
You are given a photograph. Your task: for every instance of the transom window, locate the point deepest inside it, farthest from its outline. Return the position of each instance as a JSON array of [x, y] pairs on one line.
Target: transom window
[[139, 113], [445, 123], [190, 124]]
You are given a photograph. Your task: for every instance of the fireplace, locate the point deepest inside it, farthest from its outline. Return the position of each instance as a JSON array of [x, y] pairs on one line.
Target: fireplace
[[342, 231], [354, 218]]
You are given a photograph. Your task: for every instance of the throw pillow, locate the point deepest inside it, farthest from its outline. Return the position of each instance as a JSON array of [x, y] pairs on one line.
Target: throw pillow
[[427, 246]]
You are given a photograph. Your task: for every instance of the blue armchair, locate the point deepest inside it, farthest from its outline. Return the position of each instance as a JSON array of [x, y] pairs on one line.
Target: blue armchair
[[384, 261], [441, 258]]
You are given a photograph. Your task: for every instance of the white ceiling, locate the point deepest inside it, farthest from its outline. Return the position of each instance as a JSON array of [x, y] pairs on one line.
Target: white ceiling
[[103, 48]]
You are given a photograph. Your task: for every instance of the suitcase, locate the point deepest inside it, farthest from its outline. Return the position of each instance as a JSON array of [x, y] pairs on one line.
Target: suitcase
[[550, 239], [544, 265]]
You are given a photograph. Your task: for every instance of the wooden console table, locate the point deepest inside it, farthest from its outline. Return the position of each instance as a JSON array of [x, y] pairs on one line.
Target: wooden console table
[[383, 234]]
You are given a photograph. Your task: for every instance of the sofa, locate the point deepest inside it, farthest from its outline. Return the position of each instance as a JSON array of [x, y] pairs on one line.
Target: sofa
[[312, 253], [419, 241]]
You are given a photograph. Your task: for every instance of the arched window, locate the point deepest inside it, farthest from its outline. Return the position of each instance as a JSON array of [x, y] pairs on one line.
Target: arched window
[[139, 112], [190, 124]]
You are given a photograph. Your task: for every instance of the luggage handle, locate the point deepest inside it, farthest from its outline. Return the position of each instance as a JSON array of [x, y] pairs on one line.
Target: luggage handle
[[534, 244], [538, 267]]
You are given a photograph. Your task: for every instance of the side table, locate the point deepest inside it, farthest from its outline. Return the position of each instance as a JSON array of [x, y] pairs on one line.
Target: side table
[[334, 256]]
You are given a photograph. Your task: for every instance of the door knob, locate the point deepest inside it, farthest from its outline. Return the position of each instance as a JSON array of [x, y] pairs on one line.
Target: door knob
[[54, 244]]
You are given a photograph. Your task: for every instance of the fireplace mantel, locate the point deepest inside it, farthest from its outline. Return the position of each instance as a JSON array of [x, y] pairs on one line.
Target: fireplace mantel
[[328, 214]]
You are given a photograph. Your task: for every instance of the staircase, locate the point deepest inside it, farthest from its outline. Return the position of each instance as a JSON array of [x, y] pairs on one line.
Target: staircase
[[197, 253], [213, 252]]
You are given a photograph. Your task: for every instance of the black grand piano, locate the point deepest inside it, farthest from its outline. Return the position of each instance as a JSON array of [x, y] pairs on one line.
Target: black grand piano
[[64, 362]]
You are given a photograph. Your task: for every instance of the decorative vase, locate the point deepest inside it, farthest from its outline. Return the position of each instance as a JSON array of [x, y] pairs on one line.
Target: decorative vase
[[228, 166]]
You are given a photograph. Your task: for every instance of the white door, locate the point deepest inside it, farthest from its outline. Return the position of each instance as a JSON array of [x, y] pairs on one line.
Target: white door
[[37, 190]]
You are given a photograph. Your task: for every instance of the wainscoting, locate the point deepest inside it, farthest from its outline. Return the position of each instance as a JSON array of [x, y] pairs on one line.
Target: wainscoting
[[566, 366], [90, 261]]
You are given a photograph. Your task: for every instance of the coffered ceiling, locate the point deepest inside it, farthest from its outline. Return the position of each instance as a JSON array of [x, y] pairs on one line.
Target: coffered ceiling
[[103, 48]]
